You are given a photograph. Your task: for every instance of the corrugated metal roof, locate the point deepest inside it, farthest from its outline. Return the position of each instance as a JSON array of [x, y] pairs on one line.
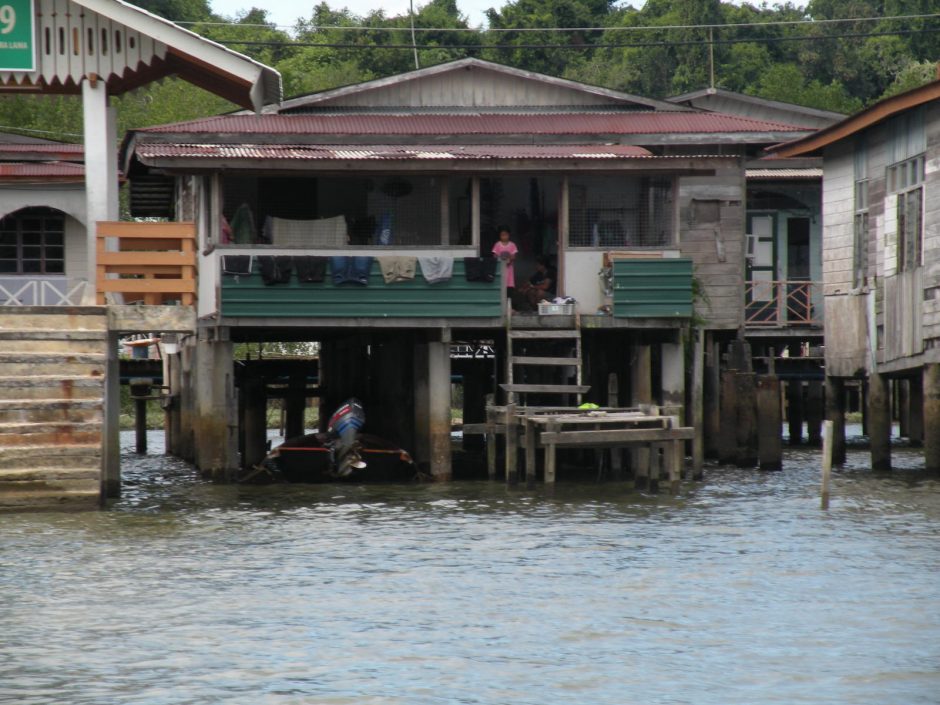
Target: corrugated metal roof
[[784, 173], [483, 124], [388, 152], [41, 170], [42, 151]]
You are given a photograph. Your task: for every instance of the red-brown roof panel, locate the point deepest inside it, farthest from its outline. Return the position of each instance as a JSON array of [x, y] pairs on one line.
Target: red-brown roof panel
[[48, 170], [357, 152], [482, 124]]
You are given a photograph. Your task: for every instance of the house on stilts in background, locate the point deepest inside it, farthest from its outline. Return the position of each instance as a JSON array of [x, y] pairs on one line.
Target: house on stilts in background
[[881, 251], [641, 206]]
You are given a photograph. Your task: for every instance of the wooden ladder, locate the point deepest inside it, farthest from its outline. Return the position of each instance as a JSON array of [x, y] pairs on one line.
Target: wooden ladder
[[513, 361]]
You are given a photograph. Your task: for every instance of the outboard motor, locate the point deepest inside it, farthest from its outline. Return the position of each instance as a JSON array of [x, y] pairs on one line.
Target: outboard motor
[[344, 427]]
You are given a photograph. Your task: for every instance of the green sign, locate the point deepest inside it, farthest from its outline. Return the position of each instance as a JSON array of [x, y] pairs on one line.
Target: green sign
[[17, 36]]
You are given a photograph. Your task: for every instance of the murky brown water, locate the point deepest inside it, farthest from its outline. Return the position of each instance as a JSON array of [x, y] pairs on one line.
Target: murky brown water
[[739, 591]]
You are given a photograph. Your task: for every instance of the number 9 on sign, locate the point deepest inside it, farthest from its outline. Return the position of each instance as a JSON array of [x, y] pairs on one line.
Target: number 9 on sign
[[7, 19]]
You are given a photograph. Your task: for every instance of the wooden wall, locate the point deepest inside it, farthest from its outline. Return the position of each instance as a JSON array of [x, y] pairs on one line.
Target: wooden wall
[[711, 233]]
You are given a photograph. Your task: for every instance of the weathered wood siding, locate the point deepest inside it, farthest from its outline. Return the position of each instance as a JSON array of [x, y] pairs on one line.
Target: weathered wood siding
[[711, 227], [838, 219], [470, 88], [931, 273], [846, 335], [773, 113]]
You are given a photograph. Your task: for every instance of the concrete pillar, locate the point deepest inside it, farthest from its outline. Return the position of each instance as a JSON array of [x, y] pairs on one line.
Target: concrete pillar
[[422, 395], [673, 384], [696, 413], [711, 391], [101, 184], [915, 415], [255, 429], [641, 384], [814, 412], [171, 378], [215, 422], [439, 408], [769, 442], [931, 392], [795, 411], [835, 412], [111, 434], [879, 422]]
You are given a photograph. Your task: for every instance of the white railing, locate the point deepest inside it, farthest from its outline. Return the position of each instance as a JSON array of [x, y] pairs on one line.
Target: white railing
[[58, 291]]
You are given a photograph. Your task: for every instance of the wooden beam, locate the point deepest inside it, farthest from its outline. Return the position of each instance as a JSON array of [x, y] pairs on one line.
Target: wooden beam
[[168, 259], [620, 437], [147, 286], [108, 228]]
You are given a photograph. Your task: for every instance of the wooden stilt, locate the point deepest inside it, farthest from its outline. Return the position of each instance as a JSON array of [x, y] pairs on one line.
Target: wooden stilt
[[795, 411], [814, 412], [550, 457], [491, 421], [915, 401], [696, 414], [835, 412], [512, 469], [530, 453], [931, 392], [769, 442], [879, 422], [655, 466]]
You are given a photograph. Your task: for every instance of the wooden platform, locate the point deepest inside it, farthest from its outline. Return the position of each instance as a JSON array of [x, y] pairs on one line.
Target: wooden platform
[[550, 428]]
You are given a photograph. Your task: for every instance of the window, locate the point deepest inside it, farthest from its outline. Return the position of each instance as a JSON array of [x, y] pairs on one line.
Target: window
[[620, 211], [860, 234], [906, 180], [32, 241]]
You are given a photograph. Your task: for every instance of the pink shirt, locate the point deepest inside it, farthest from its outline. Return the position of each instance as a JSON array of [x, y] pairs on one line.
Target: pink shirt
[[510, 247]]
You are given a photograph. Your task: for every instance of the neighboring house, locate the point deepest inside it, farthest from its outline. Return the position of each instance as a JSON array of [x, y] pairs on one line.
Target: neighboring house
[[431, 162], [42, 222], [881, 257]]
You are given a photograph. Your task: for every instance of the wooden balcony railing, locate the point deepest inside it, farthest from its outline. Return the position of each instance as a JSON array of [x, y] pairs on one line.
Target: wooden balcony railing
[[772, 304], [154, 263]]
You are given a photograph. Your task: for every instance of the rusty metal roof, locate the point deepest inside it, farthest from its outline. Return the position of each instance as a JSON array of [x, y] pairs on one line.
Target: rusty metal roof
[[42, 170], [770, 174], [151, 150], [42, 151], [483, 124]]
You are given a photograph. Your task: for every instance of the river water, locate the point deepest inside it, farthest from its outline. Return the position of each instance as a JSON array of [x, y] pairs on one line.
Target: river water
[[741, 590]]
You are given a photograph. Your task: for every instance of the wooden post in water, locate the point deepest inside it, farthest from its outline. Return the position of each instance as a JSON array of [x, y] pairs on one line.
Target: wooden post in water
[[711, 391], [642, 386], [835, 412], [674, 454], [530, 453], [795, 411], [879, 422], [769, 443], [826, 462], [512, 469], [814, 412], [746, 422], [931, 392], [491, 421], [613, 400], [915, 399], [550, 456], [255, 418], [140, 392], [656, 462], [727, 430]]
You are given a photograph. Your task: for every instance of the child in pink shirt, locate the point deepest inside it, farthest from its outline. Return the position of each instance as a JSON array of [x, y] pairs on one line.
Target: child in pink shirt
[[506, 250]]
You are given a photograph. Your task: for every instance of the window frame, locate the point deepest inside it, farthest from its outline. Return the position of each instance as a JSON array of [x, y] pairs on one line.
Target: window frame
[[45, 216]]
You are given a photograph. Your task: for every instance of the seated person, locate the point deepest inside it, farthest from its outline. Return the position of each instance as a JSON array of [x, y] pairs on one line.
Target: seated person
[[540, 287]]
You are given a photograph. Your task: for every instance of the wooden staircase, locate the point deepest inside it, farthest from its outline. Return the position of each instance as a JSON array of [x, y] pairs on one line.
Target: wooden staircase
[[52, 383], [547, 349]]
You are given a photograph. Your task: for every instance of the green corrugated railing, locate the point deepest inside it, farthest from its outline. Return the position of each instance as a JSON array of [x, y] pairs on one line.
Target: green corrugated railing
[[653, 288], [246, 296]]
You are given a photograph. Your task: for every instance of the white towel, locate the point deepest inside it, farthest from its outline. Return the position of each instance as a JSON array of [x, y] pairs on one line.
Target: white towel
[[436, 269]]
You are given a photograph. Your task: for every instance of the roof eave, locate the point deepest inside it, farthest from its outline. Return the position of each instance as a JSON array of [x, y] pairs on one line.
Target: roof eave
[[813, 144]]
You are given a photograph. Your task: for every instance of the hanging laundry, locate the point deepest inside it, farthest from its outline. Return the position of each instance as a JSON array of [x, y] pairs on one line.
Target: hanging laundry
[[310, 269], [397, 269], [436, 269], [275, 270], [350, 270], [233, 265]]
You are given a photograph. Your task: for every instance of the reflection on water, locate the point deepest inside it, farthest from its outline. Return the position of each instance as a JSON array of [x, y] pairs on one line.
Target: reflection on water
[[739, 591]]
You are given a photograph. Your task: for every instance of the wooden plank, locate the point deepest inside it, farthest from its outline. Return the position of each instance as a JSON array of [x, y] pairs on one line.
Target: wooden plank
[[548, 361], [547, 388], [621, 437], [558, 333], [152, 244], [147, 286], [110, 228], [177, 259]]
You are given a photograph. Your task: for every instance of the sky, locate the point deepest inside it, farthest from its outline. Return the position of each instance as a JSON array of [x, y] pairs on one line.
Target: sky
[[286, 12]]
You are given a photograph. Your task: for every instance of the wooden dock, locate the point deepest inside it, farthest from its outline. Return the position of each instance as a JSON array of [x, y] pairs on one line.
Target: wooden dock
[[657, 429]]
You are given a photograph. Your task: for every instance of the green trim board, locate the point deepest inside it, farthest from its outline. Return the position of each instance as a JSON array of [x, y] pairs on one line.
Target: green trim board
[[248, 296], [653, 288], [17, 35]]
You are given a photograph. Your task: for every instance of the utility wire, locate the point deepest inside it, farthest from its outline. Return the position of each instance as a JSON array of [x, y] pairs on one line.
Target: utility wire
[[605, 45], [614, 28]]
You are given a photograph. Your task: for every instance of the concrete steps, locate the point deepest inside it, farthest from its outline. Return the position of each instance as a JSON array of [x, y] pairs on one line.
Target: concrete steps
[[52, 375]]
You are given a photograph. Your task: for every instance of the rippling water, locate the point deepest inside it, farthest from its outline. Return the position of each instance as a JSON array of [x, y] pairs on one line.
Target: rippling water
[[739, 591]]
